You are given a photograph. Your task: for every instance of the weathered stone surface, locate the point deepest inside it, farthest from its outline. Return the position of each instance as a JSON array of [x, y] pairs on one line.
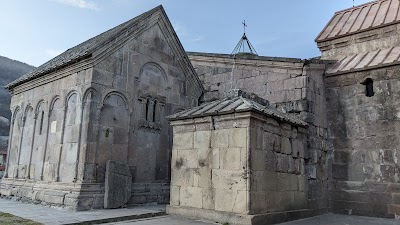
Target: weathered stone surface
[[286, 146], [118, 185]]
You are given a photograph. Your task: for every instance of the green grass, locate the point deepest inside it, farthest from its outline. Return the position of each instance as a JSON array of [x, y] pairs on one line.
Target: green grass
[[9, 219]]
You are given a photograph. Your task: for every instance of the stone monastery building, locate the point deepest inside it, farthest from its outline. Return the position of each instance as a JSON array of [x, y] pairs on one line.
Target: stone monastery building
[[129, 117]]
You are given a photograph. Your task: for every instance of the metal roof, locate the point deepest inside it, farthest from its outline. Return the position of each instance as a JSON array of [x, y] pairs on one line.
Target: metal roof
[[361, 18], [237, 101], [362, 61]]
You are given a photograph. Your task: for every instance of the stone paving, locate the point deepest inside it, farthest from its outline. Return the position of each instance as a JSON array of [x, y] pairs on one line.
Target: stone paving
[[328, 219], [153, 215], [53, 216]]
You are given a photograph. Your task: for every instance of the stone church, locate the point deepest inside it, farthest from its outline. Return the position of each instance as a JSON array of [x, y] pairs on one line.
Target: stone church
[[129, 117]]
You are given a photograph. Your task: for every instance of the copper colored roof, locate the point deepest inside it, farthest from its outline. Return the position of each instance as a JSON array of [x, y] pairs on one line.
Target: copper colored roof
[[362, 61], [361, 18]]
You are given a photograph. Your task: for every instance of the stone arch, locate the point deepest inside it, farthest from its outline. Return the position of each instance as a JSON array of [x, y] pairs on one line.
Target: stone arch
[[113, 94], [72, 94], [26, 141], [40, 114], [150, 72], [90, 93]]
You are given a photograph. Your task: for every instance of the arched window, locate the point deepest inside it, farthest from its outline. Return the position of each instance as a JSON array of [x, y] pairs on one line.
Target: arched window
[[369, 87], [147, 108], [41, 123], [154, 110]]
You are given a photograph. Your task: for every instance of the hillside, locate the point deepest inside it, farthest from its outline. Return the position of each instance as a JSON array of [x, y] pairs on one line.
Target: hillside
[[9, 71]]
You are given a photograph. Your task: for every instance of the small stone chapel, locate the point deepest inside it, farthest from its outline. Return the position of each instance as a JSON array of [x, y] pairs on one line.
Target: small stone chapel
[[128, 117]]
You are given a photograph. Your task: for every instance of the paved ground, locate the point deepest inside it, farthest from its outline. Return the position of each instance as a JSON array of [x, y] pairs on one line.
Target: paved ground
[[47, 215], [328, 219], [162, 220]]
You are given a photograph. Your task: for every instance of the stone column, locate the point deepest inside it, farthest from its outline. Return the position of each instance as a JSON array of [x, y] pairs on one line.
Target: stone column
[[79, 144], [150, 111], [9, 146]]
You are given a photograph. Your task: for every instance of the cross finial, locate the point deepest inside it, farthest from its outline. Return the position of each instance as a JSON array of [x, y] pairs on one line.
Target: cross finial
[[244, 25]]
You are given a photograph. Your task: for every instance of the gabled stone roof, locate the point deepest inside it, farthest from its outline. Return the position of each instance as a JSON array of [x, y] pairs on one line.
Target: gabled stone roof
[[361, 18], [237, 101], [87, 48], [81, 51], [368, 60]]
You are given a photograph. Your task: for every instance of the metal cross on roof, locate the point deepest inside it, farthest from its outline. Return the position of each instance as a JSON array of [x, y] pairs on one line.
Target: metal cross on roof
[[244, 26], [244, 46]]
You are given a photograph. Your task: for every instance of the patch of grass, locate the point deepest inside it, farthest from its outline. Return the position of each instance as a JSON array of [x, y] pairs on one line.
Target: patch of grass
[[9, 219]]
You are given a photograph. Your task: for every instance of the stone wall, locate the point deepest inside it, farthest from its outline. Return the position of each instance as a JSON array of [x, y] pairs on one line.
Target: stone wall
[[364, 133], [44, 148], [367, 41], [109, 106], [142, 82], [292, 85], [241, 168]]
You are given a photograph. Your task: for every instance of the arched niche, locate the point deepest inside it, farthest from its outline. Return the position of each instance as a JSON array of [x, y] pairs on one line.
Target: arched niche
[[89, 128], [39, 141], [153, 79], [14, 143], [25, 149], [71, 138], [54, 140], [113, 132]]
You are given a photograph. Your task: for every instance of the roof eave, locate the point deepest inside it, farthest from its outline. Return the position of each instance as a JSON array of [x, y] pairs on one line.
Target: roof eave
[[14, 84]]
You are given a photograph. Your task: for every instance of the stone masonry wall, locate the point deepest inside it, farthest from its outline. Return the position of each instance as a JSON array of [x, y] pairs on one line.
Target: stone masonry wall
[[209, 166], [367, 41], [364, 133], [44, 149], [278, 178], [292, 85], [241, 168]]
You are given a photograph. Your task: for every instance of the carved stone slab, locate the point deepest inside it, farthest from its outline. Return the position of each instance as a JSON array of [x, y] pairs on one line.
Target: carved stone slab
[[118, 185]]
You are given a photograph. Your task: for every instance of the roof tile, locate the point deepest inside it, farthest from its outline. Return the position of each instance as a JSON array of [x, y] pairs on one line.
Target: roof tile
[[370, 15], [382, 57]]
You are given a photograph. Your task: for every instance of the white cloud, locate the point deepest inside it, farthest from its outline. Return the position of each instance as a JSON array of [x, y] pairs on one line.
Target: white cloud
[[179, 29], [184, 35], [197, 39], [83, 4], [53, 52]]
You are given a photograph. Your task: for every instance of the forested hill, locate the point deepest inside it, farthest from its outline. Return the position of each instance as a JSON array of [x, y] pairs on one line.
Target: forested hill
[[9, 71]]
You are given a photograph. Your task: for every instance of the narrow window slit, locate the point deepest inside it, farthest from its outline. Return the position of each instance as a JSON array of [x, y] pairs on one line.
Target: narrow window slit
[[369, 87]]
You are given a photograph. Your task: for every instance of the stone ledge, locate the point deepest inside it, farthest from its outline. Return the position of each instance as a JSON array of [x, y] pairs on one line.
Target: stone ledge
[[241, 219]]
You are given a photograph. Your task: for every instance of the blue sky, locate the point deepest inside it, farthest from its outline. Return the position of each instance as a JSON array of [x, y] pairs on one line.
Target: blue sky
[[34, 31]]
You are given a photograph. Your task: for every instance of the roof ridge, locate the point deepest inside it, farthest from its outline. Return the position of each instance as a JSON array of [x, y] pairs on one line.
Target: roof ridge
[[82, 50], [361, 18], [360, 6]]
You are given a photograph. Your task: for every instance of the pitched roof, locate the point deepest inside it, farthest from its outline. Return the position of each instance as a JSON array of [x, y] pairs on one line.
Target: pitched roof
[[81, 51], [364, 17], [236, 101], [362, 61], [87, 48]]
